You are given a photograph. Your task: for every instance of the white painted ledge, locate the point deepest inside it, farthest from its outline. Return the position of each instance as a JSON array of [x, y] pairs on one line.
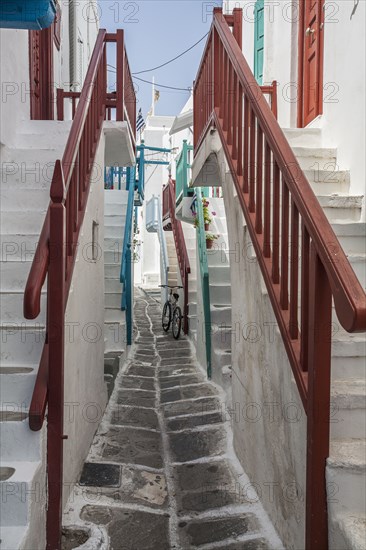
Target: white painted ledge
[[118, 145]]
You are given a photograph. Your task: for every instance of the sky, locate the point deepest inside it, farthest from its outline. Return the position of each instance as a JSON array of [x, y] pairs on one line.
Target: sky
[[155, 32]]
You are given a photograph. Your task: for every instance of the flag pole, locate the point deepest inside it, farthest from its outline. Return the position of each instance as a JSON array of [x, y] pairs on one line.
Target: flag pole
[[153, 96]]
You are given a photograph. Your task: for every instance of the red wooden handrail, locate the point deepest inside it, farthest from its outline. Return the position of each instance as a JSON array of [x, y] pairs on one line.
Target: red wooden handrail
[[180, 245], [123, 100], [302, 262], [57, 249]]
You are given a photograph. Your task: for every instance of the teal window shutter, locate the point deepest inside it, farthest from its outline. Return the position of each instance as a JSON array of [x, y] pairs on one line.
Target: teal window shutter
[[258, 40]]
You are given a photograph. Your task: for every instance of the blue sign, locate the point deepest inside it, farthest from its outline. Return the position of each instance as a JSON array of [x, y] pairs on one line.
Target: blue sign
[[27, 14]]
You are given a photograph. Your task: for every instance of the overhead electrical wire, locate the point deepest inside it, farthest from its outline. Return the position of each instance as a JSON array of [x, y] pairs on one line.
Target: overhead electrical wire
[[174, 58], [113, 69], [162, 85]]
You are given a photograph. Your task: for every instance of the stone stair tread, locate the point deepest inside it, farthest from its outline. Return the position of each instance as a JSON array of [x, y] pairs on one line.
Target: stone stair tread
[[340, 200], [321, 152], [353, 528], [12, 537], [358, 337], [17, 369], [350, 393], [24, 471], [348, 454], [349, 227], [354, 258]]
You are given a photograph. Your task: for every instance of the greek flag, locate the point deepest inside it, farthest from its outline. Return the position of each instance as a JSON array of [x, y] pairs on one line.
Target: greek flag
[[140, 123]]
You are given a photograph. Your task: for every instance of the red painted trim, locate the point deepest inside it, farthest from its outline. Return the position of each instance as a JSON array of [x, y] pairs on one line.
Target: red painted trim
[[300, 63]]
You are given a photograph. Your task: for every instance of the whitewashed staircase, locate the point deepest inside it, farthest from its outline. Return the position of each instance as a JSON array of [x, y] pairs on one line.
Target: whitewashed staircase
[[172, 259], [26, 173], [220, 298], [220, 294], [115, 206], [190, 240], [346, 468]]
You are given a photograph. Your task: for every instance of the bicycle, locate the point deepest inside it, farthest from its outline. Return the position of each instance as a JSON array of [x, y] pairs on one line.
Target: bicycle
[[172, 314]]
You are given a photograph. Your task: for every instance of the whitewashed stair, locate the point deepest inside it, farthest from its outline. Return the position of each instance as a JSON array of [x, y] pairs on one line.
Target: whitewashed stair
[[115, 206], [346, 468], [220, 298], [172, 258], [190, 240], [26, 173]]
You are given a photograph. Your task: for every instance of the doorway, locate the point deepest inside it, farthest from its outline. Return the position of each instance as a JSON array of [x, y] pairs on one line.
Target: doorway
[[311, 49]]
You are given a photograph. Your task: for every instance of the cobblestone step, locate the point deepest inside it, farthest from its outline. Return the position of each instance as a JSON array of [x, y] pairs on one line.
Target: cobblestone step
[[160, 473]]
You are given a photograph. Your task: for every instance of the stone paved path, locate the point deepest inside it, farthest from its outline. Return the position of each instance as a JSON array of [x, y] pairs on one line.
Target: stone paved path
[[161, 473]]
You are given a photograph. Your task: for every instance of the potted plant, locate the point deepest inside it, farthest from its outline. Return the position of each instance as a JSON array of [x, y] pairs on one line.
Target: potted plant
[[210, 238], [206, 215]]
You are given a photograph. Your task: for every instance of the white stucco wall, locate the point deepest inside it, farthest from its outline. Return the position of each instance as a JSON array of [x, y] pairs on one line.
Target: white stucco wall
[[14, 81], [85, 391], [85, 20]]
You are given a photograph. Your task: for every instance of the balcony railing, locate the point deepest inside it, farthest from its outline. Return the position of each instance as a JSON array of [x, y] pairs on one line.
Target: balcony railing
[[183, 171]]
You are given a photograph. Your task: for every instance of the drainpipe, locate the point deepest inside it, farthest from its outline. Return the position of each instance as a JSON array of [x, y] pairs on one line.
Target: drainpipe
[[73, 45]]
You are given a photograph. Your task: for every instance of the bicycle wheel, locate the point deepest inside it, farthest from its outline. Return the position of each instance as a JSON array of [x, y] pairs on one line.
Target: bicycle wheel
[[177, 322], [167, 316]]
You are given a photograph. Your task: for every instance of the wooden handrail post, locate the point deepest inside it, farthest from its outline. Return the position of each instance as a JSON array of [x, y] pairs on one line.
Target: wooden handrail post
[[274, 98], [318, 410], [120, 56], [56, 338], [216, 69], [238, 26], [60, 103]]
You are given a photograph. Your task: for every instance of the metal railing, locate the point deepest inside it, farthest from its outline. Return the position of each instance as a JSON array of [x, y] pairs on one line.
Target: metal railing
[[126, 260], [113, 173], [302, 263], [183, 167], [56, 255], [205, 278]]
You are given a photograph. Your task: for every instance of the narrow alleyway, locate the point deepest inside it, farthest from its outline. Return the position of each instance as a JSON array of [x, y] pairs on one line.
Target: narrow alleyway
[[161, 473]]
